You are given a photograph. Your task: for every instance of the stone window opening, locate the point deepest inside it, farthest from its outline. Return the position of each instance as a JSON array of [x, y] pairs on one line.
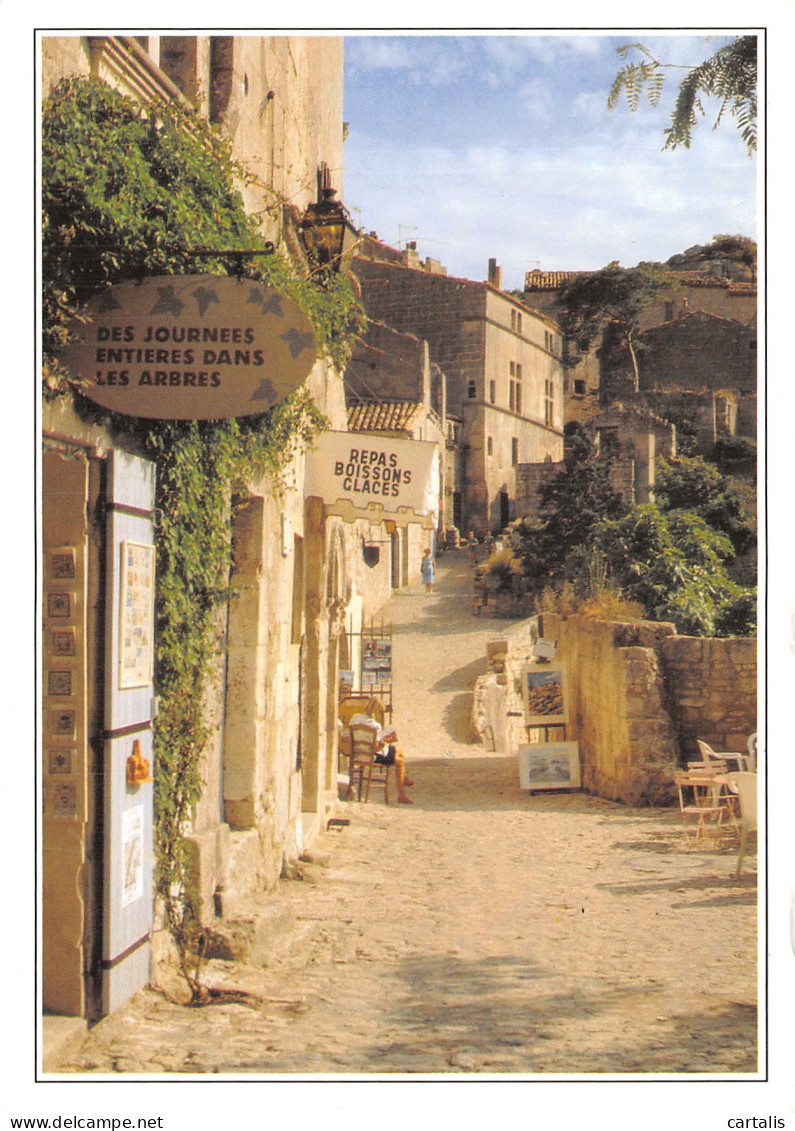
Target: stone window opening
[[514, 451], [725, 415], [489, 446], [180, 60], [221, 68], [493, 392], [472, 390], [549, 402]]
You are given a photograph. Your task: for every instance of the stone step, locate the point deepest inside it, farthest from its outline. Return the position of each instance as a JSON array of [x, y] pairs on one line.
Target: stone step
[[255, 933]]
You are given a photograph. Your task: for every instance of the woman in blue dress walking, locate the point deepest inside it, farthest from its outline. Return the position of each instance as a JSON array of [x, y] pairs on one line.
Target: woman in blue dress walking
[[427, 568]]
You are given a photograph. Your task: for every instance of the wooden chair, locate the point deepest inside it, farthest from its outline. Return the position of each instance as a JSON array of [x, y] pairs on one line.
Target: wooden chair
[[363, 768], [745, 785], [344, 782], [697, 798], [722, 793], [361, 704]]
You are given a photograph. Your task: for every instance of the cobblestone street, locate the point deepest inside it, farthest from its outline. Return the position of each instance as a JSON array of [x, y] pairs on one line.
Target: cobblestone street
[[479, 930]]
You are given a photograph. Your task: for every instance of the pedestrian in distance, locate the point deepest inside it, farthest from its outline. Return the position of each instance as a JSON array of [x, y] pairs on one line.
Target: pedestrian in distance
[[427, 571], [473, 549]]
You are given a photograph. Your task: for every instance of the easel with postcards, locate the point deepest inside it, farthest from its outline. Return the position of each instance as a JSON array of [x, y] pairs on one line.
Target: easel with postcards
[[547, 765]]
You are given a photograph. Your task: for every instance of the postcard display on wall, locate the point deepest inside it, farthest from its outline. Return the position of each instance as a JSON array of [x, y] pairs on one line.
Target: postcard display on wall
[[547, 765], [63, 792]]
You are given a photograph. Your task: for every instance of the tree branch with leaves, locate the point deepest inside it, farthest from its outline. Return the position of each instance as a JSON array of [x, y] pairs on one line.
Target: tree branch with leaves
[[615, 296]]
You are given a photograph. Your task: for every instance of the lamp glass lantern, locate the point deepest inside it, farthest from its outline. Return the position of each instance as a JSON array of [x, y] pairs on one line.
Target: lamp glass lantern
[[328, 234]]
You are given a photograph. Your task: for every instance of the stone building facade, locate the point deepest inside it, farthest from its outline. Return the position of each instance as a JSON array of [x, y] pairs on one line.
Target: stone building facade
[[700, 368], [393, 389], [299, 587], [630, 437], [591, 380], [278, 99], [503, 368]]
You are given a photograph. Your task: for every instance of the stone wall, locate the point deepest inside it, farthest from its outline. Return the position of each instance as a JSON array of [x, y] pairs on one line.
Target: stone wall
[[388, 365], [503, 369], [713, 690], [699, 351], [529, 479], [447, 313], [618, 708]]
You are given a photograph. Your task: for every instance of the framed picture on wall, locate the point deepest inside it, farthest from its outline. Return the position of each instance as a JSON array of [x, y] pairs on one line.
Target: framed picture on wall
[[136, 628], [545, 695], [549, 765]]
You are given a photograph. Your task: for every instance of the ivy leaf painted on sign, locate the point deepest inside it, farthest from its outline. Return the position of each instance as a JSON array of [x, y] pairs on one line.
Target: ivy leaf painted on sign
[[204, 296], [265, 392], [298, 342], [273, 306], [107, 303], [167, 302]]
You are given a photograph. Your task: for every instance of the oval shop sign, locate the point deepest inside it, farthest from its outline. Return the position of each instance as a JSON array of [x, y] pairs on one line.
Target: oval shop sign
[[191, 347]]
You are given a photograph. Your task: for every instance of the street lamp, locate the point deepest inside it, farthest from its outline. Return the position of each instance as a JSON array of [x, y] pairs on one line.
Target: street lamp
[[328, 234]]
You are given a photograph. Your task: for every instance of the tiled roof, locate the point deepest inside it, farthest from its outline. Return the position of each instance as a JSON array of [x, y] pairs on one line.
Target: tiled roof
[[549, 280], [553, 280], [695, 316], [383, 416]]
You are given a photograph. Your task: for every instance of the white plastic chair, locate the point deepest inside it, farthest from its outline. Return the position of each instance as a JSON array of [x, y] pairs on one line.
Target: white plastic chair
[[752, 748], [709, 755], [744, 783]]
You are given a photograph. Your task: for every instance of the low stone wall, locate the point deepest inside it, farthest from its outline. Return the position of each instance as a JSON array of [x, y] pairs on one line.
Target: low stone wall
[[618, 708], [639, 697], [713, 690], [497, 713]]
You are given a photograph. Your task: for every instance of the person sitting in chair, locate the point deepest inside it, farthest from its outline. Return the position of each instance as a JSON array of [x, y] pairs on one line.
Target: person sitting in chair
[[387, 753]]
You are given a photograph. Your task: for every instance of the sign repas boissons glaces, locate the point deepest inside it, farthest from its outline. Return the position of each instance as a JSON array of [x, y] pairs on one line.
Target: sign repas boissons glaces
[[191, 347]]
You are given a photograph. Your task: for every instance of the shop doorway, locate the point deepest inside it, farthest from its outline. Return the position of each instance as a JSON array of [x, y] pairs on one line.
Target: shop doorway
[[97, 706]]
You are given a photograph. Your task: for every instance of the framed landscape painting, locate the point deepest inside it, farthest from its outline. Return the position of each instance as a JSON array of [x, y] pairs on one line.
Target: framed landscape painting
[[544, 693], [549, 765]]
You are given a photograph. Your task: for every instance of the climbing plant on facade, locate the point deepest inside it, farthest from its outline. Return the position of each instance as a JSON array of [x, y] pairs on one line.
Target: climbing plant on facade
[[131, 190]]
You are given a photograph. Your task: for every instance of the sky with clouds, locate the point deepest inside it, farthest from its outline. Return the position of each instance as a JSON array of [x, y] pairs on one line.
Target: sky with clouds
[[502, 146]]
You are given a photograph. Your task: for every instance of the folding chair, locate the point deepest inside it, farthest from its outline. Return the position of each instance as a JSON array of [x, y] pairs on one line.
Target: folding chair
[[697, 798]]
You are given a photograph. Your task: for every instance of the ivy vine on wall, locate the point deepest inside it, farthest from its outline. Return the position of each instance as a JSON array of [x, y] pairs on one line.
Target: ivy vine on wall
[[128, 190]]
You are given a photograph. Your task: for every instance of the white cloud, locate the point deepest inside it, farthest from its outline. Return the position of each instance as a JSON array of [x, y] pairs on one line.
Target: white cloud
[[537, 99], [378, 54], [586, 187]]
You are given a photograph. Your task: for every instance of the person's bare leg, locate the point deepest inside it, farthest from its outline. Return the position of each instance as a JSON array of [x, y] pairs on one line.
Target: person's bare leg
[[402, 781]]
